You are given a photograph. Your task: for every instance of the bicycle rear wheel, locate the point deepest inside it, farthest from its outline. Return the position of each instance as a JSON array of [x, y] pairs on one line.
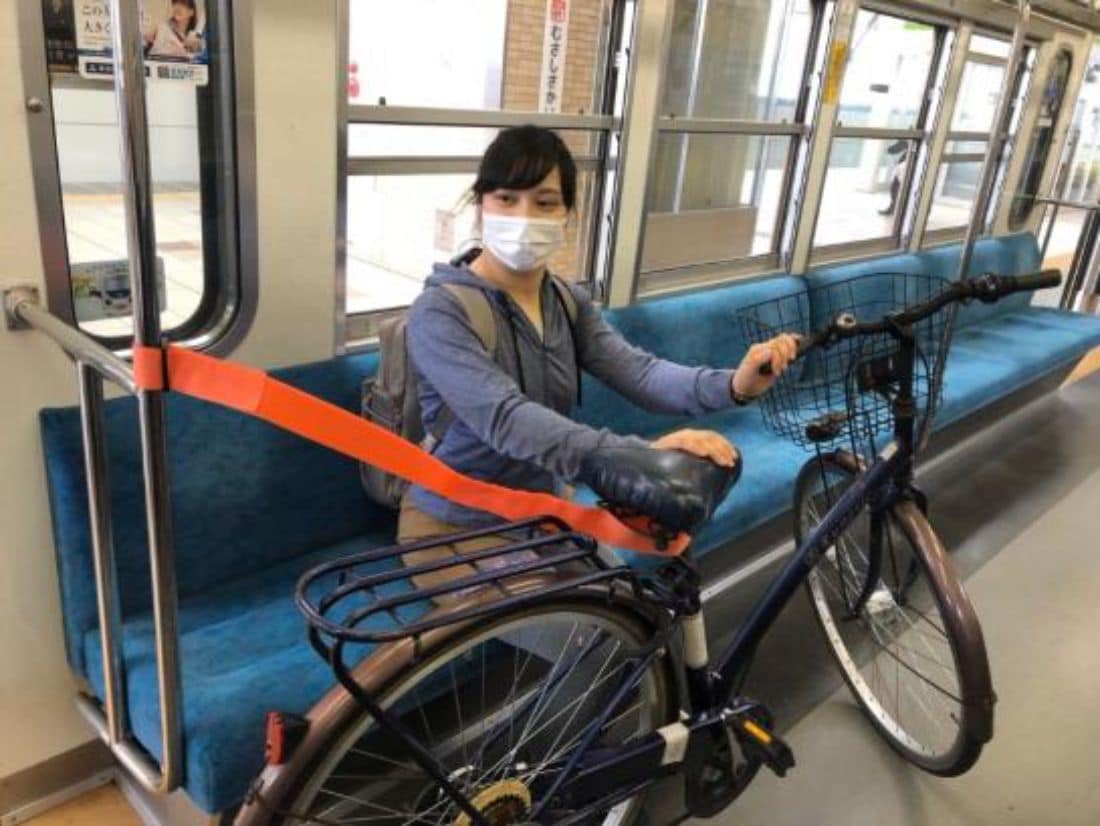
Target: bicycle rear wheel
[[899, 624], [497, 705]]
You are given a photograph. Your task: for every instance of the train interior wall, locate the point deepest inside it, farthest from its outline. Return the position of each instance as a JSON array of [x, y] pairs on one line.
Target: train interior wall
[[296, 174]]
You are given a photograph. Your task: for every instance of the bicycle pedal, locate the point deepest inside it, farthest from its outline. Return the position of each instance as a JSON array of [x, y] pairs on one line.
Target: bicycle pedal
[[772, 750]]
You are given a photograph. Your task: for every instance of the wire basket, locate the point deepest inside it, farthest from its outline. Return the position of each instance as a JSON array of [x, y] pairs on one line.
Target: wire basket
[[831, 383]]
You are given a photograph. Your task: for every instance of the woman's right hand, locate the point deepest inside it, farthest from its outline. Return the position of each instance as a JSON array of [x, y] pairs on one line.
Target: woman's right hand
[[706, 444]]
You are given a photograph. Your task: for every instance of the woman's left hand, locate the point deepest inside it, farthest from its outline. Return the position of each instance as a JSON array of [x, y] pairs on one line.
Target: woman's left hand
[[779, 352]]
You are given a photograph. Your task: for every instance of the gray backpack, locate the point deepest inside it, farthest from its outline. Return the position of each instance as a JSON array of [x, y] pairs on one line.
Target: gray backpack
[[391, 398]]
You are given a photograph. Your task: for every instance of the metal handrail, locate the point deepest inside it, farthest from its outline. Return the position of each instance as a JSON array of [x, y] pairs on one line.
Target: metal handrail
[[129, 81], [95, 362], [1083, 270], [1059, 202], [22, 303], [997, 140]]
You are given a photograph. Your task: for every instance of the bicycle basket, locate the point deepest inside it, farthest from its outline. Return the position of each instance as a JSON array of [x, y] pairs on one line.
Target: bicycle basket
[[832, 381]]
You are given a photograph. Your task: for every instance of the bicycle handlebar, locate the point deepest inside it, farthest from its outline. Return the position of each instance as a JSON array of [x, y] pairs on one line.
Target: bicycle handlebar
[[987, 289]]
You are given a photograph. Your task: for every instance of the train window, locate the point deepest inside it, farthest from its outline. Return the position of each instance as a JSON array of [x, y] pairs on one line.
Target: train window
[[407, 222], [864, 190], [699, 217], [190, 109], [881, 116], [885, 81], [981, 44], [970, 135], [956, 188], [976, 103], [739, 110], [418, 120], [1039, 147]]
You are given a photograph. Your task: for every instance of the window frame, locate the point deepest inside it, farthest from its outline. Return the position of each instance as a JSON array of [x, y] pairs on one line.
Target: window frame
[[359, 331], [798, 132], [229, 298], [1017, 222], [920, 138], [632, 148], [1018, 92]]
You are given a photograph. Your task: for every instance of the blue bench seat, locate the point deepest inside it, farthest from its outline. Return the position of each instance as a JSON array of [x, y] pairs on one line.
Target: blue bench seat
[[253, 507], [995, 357]]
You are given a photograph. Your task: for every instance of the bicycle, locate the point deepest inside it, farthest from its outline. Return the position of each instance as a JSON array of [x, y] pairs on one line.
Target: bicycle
[[558, 689]]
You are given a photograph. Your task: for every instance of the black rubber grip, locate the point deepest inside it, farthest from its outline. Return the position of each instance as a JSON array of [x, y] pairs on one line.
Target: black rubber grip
[[1034, 281], [804, 344]]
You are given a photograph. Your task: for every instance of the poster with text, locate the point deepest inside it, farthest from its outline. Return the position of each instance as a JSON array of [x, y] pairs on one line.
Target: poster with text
[[174, 36], [57, 23]]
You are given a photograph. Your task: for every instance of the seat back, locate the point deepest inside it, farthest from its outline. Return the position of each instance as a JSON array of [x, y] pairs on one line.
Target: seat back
[[244, 493], [1007, 255], [696, 328]]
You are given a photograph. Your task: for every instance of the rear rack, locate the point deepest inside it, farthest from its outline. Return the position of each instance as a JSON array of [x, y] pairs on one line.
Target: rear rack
[[371, 597]]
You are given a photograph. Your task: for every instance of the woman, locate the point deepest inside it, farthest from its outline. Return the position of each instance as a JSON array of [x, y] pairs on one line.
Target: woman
[[178, 36], [510, 408]]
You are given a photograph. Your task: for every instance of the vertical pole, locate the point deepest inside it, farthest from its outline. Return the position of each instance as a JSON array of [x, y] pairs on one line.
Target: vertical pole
[[698, 33], [997, 140], [645, 85], [103, 552], [340, 311], [129, 77], [820, 146]]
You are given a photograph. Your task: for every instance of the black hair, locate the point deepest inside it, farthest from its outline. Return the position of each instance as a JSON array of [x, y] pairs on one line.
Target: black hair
[[191, 4], [520, 157]]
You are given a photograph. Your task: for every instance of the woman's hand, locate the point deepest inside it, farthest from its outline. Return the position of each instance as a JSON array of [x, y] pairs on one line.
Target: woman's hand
[[779, 352], [706, 444]]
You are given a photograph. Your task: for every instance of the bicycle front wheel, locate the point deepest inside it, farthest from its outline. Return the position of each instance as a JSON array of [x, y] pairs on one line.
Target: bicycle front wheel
[[899, 624], [498, 705]]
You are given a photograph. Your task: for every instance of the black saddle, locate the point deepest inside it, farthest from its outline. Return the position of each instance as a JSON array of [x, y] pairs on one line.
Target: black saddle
[[677, 491]]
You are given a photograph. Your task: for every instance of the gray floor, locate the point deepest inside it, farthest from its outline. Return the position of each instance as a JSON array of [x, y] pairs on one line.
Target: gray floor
[[1019, 505]]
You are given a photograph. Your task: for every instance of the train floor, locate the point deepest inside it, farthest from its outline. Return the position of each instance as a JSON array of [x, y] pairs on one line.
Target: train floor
[[1019, 505]]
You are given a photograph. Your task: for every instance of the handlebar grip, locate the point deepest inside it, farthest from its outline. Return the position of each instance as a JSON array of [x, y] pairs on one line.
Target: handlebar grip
[[804, 344], [1034, 281]]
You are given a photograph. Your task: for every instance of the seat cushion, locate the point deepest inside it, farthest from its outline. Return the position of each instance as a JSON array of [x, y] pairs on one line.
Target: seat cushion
[[994, 357], [243, 652]]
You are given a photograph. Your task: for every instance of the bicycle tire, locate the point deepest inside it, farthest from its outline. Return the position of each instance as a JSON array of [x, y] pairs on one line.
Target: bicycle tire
[[338, 723], [974, 698]]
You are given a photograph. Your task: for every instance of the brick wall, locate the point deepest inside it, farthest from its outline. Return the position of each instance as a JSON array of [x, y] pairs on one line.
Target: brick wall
[[583, 60]]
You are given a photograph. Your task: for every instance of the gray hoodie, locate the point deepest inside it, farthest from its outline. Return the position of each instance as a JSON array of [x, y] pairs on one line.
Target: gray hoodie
[[511, 409]]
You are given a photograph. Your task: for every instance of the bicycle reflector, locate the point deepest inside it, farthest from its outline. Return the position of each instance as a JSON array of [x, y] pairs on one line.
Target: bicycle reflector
[[284, 732]]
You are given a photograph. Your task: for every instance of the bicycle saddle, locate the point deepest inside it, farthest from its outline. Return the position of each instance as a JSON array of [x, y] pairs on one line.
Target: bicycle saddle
[[676, 490]]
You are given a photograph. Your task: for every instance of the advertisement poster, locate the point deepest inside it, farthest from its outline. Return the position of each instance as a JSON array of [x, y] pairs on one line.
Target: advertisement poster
[[57, 22], [101, 289], [174, 38]]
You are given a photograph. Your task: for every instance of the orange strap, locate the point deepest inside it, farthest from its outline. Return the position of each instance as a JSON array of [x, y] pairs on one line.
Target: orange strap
[[255, 393]]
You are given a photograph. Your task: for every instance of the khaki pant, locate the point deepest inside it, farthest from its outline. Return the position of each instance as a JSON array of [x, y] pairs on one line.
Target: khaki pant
[[413, 524]]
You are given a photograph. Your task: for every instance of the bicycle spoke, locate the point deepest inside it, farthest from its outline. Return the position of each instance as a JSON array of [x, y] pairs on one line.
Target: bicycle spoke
[[896, 648]]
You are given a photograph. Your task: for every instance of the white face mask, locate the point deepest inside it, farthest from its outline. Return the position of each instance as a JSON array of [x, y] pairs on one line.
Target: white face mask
[[522, 244]]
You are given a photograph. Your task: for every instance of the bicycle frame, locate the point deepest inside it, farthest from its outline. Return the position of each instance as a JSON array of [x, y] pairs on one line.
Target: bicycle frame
[[711, 687], [579, 788]]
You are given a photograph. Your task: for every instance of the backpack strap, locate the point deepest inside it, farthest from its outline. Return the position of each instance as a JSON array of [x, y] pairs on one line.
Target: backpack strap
[[568, 303], [567, 299], [479, 313]]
